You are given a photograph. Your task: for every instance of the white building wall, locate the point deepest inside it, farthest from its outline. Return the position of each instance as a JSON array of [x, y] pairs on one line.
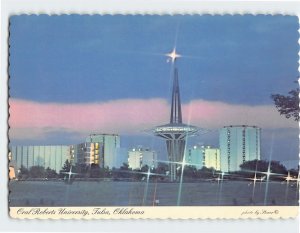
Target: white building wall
[[237, 145], [212, 158], [194, 156], [53, 156], [199, 156], [149, 158], [139, 157], [134, 159]]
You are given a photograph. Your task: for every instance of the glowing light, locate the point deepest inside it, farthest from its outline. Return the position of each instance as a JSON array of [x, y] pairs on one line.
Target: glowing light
[[183, 163], [268, 173], [288, 178], [219, 179], [146, 186], [173, 55], [255, 178], [174, 128], [70, 173]]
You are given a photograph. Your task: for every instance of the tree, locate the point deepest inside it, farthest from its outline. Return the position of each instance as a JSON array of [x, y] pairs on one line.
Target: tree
[[23, 173], [95, 171], [142, 173], [50, 173], [263, 166], [288, 105], [123, 172], [37, 172], [81, 170], [125, 167], [205, 173], [294, 172], [66, 168], [188, 171], [162, 169]]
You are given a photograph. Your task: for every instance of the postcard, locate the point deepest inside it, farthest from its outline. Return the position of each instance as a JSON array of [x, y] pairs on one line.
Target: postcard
[[153, 116]]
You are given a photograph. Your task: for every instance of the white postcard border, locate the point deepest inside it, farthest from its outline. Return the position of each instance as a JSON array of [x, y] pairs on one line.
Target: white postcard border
[[10, 7]]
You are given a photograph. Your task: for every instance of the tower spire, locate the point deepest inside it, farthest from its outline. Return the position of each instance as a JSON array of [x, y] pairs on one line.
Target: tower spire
[[176, 115], [175, 132]]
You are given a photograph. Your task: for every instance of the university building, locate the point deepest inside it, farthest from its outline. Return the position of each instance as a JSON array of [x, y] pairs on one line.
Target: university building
[[101, 149], [203, 156], [87, 153], [52, 156], [238, 144], [139, 157], [109, 145]]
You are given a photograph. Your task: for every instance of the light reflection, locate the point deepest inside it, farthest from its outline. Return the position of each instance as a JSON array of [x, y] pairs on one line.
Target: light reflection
[[147, 178], [148, 173], [69, 173], [183, 163], [268, 173]]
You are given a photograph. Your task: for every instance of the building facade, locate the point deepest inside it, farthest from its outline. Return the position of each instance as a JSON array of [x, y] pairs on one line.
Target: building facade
[[110, 147], [194, 157], [211, 157], [139, 157], [203, 156], [52, 156], [238, 144], [87, 153]]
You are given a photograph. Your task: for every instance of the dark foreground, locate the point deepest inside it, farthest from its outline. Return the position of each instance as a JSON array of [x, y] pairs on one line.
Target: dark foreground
[[108, 193]]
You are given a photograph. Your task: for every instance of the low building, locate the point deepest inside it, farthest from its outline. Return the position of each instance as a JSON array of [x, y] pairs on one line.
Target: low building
[[50, 156], [203, 156], [139, 157], [194, 157], [211, 157]]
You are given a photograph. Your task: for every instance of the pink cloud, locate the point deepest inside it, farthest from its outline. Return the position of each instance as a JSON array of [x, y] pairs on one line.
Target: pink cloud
[[131, 116], [122, 116], [214, 114]]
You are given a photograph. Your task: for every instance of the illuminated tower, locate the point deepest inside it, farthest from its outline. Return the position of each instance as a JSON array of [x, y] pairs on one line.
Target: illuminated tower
[[175, 132]]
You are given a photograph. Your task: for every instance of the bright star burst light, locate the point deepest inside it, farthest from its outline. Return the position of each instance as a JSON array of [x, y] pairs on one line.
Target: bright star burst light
[[268, 173], [173, 55], [182, 164], [70, 173], [254, 179], [148, 175], [290, 178]]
